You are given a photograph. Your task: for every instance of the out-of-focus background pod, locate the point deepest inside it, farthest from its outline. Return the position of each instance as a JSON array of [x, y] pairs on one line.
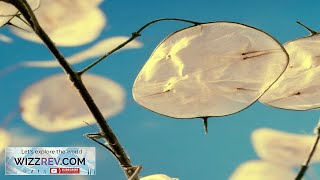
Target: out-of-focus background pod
[[4, 140], [283, 148], [158, 177], [262, 170], [68, 23], [53, 104], [97, 50]]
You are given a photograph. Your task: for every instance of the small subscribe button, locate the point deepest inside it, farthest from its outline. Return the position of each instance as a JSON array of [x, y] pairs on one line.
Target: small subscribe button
[[54, 170], [64, 170], [69, 170]]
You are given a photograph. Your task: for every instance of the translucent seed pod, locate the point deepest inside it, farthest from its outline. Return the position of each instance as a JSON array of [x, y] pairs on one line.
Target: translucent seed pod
[[212, 69], [298, 87]]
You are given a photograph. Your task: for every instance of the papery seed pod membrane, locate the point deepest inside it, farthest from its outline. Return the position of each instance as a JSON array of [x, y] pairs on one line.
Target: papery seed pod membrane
[[212, 69], [298, 87]]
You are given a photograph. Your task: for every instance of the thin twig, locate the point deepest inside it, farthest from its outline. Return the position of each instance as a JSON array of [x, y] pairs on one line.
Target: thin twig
[[94, 136], [24, 21], [105, 146], [304, 167], [309, 29], [136, 172], [105, 129], [133, 36], [13, 25], [91, 125]]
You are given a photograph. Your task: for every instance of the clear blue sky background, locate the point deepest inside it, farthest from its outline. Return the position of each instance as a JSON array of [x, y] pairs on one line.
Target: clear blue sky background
[[174, 147]]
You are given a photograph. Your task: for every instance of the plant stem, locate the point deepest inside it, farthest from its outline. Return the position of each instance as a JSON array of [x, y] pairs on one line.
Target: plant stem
[[205, 125], [133, 36], [105, 129], [309, 29], [304, 167]]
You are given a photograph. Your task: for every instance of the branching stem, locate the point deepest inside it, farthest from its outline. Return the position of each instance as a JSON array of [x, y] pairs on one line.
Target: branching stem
[[104, 128], [133, 36]]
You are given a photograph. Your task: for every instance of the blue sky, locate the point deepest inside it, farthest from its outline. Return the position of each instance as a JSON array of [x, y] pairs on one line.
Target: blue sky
[[161, 144]]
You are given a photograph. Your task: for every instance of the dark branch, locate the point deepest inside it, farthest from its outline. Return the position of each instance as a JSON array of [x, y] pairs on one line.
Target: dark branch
[[105, 129]]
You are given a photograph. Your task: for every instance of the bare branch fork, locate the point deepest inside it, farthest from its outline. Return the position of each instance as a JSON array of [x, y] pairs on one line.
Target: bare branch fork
[[113, 144]]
